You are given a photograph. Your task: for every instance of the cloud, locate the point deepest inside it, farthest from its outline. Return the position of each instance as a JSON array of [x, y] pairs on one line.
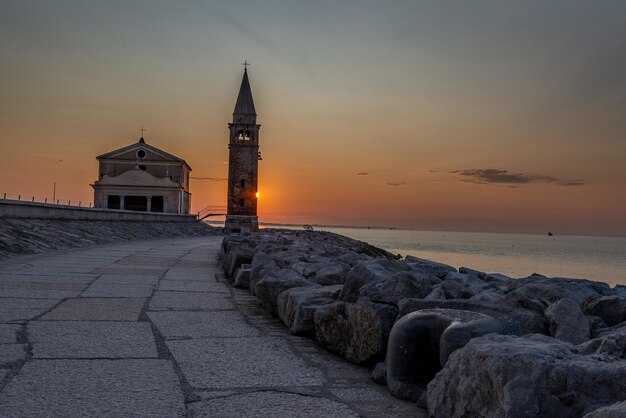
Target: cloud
[[495, 176], [396, 183], [362, 173]]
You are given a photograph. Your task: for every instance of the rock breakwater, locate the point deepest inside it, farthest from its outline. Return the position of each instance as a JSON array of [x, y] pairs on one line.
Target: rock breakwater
[[28, 236], [460, 342]]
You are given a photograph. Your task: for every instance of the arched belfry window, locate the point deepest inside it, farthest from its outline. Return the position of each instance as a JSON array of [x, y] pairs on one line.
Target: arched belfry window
[[241, 135], [247, 135]]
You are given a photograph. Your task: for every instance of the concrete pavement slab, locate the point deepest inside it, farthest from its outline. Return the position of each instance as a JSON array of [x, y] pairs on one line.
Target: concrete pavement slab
[[91, 339], [188, 301], [127, 278], [193, 286], [185, 324], [223, 363], [118, 290], [20, 309], [46, 278], [271, 404], [79, 388], [10, 353], [8, 333], [97, 309]]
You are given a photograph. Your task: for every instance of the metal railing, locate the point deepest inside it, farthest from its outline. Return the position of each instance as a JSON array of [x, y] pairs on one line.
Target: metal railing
[[40, 199], [211, 210]]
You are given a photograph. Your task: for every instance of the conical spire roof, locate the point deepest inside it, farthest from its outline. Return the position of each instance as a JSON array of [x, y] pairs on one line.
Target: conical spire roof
[[245, 104]]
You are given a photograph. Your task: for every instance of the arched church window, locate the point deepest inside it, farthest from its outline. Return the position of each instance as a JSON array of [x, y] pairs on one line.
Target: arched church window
[[243, 183], [242, 203], [241, 135]]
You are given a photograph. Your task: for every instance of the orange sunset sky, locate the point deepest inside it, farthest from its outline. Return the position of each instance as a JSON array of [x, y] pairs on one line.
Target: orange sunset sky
[[474, 116]]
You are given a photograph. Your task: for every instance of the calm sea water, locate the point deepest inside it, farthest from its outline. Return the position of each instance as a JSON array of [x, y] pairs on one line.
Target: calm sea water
[[516, 255]]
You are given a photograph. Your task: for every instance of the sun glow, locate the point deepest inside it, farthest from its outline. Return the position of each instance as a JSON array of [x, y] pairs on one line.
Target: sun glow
[[257, 195]]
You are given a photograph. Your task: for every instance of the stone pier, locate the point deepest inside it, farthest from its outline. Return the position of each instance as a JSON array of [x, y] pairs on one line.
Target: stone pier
[[151, 329]]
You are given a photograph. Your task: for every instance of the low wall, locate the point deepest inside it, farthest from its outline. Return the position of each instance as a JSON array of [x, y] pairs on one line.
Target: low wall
[[33, 210]]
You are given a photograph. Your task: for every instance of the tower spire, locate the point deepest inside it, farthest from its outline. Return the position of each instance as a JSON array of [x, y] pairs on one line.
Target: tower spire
[[245, 104]]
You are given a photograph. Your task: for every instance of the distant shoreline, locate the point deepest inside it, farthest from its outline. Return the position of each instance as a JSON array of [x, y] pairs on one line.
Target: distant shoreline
[[391, 228]]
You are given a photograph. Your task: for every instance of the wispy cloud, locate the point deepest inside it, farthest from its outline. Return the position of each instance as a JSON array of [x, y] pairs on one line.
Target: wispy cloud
[[496, 176], [362, 173], [396, 183]]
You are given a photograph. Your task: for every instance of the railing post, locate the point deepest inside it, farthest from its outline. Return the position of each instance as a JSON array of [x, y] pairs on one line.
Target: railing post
[[57, 201], [79, 202], [33, 199], [69, 203], [45, 200]]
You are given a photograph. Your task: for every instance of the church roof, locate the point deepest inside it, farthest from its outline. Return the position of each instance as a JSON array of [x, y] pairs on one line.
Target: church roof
[[141, 144], [245, 104]]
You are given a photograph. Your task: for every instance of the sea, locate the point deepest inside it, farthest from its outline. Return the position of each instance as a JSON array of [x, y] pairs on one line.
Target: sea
[[597, 258]]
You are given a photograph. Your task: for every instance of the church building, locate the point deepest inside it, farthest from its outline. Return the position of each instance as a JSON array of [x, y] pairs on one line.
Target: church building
[[243, 163], [142, 177]]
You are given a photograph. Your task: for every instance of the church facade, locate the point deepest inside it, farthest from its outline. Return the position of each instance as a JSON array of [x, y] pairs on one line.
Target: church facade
[[141, 177], [243, 164]]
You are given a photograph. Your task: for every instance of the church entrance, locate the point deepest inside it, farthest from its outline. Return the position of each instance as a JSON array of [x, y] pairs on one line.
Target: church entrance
[[113, 202], [157, 204], [139, 203]]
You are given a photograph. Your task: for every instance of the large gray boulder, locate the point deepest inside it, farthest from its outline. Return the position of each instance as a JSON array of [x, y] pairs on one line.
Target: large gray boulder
[[421, 342], [402, 285], [612, 309], [515, 321], [432, 267], [356, 331], [533, 376], [612, 342], [262, 264], [273, 283], [617, 410], [297, 306], [552, 289], [567, 322], [364, 272]]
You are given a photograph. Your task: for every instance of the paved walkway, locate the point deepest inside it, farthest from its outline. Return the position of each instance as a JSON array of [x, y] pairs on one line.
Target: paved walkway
[[150, 329]]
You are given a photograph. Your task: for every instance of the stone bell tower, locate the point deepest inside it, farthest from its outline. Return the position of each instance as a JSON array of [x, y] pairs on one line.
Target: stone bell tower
[[243, 164]]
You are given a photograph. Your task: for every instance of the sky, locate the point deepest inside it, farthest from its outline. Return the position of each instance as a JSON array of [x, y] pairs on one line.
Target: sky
[[505, 116]]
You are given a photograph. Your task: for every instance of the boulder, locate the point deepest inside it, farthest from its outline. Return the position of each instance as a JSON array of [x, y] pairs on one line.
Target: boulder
[[566, 322], [617, 410], [379, 374], [612, 309], [273, 283], [356, 331], [402, 285], [477, 273], [329, 273], [497, 278], [508, 376], [242, 276], [436, 269], [470, 281], [488, 296], [555, 288], [368, 271], [421, 342], [611, 343], [236, 257], [454, 289], [262, 264], [297, 306], [524, 298], [436, 294], [515, 321]]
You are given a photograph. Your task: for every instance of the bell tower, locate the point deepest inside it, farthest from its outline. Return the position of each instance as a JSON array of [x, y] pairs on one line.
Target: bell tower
[[243, 163]]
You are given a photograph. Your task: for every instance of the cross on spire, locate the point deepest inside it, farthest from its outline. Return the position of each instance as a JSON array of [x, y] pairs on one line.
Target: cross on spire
[[245, 65], [142, 130]]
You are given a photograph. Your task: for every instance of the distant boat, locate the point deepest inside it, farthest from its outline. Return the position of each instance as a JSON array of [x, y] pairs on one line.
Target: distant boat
[[550, 234]]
